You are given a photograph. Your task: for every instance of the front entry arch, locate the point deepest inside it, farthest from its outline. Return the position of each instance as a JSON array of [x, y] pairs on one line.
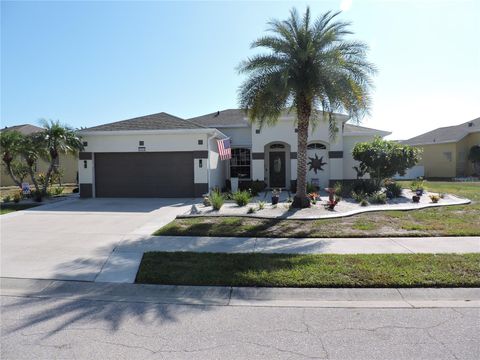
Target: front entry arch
[[277, 164]]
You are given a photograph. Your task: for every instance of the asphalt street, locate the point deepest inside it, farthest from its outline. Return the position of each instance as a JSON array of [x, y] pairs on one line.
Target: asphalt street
[[71, 328]]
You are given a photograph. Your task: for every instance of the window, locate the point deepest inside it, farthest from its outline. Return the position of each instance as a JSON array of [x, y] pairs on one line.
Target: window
[[141, 143], [85, 143], [316, 146], [240, 163], [277, 146], [200, 142]]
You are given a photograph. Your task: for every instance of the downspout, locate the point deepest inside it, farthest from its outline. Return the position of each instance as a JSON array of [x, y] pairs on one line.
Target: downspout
[[208, 160]]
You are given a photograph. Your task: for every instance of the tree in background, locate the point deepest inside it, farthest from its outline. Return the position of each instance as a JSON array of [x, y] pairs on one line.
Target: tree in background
[[33, 148], [474, 157], [10, 145], [58, 139], [311, 68], [383, 159]]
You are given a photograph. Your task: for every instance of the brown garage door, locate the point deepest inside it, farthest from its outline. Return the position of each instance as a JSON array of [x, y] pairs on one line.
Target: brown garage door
[[148, 174]]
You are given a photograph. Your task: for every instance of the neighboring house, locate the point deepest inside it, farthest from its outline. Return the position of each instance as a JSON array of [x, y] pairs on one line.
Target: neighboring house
[[161, 155], [446, 149], [67, 163]]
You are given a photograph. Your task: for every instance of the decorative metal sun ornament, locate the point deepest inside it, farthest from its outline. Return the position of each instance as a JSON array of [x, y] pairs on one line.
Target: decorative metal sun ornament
[[316, 163]]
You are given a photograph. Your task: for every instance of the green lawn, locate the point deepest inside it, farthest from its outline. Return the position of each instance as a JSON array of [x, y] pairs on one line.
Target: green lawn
[[441, 221], [8, 208], [327, 270]]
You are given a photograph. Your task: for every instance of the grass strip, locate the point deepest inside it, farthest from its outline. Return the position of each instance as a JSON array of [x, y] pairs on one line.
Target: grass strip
[[320, 270]]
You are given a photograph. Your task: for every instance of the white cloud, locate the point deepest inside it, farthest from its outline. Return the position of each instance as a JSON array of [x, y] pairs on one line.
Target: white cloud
[[345, 5]]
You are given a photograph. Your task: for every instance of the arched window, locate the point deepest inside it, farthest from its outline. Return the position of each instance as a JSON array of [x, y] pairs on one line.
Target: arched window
[[316, 146], [277, 146], [240, 163]]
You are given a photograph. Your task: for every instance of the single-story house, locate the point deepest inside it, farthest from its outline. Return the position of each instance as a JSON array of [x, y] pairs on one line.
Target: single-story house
[[67, 163], [446, 149], [162, 155]]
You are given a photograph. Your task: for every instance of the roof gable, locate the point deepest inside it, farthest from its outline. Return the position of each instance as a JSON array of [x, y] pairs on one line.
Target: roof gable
[[159, 121], [446, 134]]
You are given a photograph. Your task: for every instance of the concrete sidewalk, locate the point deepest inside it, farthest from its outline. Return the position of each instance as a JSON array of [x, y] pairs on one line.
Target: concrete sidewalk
[[238, 296], [122, 264]]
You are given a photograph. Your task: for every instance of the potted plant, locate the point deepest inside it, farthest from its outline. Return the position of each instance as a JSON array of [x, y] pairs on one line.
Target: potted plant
[[416, 198], [417, 187], [434, 198], [275, 196]]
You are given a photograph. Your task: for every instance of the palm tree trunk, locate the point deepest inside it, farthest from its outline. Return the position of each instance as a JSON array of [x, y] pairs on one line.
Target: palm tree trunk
[[34, 180], [48, 175], [303, 114], [8, 165]]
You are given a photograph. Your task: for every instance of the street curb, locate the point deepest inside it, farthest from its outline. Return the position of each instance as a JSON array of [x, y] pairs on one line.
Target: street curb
[[243, 296]]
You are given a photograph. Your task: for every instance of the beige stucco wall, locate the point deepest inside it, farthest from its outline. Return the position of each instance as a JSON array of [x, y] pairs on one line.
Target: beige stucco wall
[[438, 164], [68, 164], [439, 160]]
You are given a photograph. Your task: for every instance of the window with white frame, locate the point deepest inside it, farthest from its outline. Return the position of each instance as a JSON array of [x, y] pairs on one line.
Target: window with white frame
[[240, 163], [316, 146]]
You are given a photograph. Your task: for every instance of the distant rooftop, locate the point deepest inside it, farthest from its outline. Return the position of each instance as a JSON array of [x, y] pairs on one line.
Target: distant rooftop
[[160, 121], [359, 130], [446, 134], [25, 129]]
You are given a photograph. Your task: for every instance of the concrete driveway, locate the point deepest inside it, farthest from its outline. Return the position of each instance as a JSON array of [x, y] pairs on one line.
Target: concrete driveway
[[72, 239]]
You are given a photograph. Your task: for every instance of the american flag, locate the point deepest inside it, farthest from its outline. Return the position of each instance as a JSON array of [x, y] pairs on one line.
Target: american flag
[[224, 149]]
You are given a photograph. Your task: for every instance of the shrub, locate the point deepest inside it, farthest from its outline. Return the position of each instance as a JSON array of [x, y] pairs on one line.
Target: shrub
[[366, 186], [364, 202], [338, 188], [311, 188], [242, 198], [394, 190], [382, 159], [17, 197], [313, 196], [418, 184], [58, 190], [216, 199], [261, 205], [254, 187], [434, 198], [251, 210], [358, 196], [75, 191], [7, 199], [378, 198]]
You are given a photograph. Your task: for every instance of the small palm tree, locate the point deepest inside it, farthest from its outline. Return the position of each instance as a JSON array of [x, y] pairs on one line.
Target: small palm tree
[[32, 148], [314, 70], [58, 139], [10, 144]]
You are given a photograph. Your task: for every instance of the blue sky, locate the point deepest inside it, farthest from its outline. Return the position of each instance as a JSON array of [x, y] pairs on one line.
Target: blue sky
[[87, 63]]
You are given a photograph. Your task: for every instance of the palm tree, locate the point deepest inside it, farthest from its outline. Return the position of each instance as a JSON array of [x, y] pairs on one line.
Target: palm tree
[[58, 139], [10, 144], [32, 148], [312, 69]]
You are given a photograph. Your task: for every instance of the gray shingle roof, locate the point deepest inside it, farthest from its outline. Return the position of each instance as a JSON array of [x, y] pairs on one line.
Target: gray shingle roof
[[160, 121], [356, 129], [229, 117], [446, 134], [25, 129]]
